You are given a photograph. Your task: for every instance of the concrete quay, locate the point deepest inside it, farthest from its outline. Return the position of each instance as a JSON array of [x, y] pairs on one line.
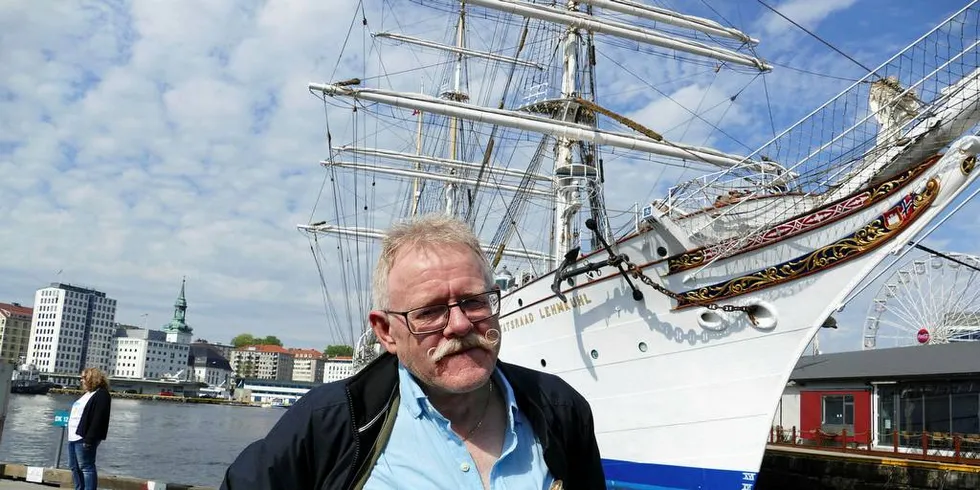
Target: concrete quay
[[14, 476]]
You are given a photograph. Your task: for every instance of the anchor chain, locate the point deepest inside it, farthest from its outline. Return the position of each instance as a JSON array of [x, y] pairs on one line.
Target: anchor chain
[[638, 274]]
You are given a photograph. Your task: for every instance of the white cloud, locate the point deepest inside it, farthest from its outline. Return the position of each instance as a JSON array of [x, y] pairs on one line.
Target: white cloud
[[804, 12], [141, 143]]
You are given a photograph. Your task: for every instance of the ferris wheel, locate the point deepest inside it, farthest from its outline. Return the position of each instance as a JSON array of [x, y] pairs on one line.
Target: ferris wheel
[[930, 300]]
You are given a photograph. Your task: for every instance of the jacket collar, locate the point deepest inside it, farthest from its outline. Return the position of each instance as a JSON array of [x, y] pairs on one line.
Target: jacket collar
[[371, 392], [372, 389]]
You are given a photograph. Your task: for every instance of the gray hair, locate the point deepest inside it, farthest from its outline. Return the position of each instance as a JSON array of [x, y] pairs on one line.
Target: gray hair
[[423, 232]]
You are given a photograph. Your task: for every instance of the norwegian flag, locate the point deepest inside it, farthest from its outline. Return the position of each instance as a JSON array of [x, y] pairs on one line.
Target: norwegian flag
[[904, 207], [900, 212]]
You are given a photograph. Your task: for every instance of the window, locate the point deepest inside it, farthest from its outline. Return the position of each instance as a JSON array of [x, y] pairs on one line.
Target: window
[[838, 410]]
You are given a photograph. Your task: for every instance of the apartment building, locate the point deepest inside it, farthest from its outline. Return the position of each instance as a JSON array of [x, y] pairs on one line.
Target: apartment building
[[262, 362], [307, 365], [15, 331]]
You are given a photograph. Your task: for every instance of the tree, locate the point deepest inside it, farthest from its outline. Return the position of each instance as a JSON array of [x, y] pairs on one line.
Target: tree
[[338, 350], [242, 340]]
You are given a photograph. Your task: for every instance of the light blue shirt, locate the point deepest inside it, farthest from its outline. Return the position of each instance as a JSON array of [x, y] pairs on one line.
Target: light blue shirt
[[424, 452]]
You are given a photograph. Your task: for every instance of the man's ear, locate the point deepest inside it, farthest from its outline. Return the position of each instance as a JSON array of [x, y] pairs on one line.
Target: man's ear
[[382, 330]]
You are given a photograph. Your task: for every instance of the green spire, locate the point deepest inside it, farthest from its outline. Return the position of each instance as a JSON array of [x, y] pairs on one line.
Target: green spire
[[178, 323]]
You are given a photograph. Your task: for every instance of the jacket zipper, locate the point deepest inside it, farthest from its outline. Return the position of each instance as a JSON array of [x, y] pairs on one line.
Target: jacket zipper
[[357, 438]]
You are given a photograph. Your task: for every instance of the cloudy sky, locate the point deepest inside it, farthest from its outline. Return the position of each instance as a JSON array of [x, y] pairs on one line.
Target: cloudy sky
[[145, 141]]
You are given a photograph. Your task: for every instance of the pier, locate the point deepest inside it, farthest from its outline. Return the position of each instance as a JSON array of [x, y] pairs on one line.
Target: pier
[[15, 476], [811, 467]]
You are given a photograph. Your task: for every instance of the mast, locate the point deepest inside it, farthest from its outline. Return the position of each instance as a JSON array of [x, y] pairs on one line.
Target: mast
[[459, 96], [416, 192], [568, 193]]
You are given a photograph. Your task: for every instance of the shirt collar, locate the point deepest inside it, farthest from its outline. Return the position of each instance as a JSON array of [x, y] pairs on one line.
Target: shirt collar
[[417, 402]]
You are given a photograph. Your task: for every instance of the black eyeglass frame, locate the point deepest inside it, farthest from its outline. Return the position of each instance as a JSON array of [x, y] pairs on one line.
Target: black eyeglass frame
[[494, 300]]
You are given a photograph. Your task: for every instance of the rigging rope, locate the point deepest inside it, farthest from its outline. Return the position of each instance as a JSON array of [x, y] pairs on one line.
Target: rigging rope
[[818, 38]]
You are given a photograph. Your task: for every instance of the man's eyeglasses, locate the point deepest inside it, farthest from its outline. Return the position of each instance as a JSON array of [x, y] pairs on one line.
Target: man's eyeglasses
[[432, 318]]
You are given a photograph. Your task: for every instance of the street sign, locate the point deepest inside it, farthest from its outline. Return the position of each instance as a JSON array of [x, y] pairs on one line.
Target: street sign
[[60, 418]]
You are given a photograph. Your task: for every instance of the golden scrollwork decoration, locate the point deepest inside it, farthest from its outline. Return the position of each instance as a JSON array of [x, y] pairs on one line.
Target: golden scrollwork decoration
[[887, 188], [863, 240], [697, 257]]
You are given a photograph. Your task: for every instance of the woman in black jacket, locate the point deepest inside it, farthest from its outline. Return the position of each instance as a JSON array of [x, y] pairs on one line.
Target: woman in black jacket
[[88, 425]]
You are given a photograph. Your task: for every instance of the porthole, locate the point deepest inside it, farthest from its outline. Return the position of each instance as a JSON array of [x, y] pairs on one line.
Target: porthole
[[642, 346], [544, 363], [594, 354], [520, 302], [661, 251]]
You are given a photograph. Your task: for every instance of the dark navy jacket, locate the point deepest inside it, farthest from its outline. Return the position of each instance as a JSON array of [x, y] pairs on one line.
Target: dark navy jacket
[[93, 425], [325, 440]]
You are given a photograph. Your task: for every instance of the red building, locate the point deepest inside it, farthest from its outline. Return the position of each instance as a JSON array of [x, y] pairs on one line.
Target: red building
[[829, 414], [888, 397]]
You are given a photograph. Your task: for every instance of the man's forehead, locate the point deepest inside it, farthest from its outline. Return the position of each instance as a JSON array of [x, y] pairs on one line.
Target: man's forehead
[[416, 250]]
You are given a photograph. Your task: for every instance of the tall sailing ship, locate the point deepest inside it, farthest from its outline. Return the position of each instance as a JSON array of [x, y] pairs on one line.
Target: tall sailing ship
[[680, 319]]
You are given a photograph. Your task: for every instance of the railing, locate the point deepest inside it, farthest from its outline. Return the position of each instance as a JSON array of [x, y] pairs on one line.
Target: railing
[[928, 446]]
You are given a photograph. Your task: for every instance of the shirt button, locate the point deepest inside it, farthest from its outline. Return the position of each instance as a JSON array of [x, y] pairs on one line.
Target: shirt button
[[464, 467]]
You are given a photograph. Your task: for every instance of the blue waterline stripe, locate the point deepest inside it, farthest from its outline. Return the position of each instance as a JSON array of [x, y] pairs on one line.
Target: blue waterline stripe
[[627, 475]]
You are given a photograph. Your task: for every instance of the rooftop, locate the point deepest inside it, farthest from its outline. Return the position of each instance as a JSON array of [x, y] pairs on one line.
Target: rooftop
[[306, 353], [15, 309], [141, 333], [938, 360], [77, 289], [207, 356], [277, 349]]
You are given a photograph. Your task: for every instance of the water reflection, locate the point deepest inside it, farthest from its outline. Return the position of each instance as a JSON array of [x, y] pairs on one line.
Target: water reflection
[[175, 442]]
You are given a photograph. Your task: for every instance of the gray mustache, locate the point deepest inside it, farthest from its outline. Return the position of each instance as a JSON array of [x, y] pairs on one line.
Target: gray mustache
[[459, 344]]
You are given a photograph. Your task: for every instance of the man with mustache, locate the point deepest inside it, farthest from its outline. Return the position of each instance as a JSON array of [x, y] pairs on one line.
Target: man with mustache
[[437, 410]]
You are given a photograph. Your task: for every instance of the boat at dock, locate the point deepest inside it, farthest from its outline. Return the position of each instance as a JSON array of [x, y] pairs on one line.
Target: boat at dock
[[680, 320], [26, 380]]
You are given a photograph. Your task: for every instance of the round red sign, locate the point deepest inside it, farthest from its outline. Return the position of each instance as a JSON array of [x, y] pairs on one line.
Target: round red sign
[[923, 336]]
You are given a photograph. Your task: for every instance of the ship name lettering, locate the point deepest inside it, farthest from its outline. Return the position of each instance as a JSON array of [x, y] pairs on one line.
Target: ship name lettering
[[575, 301], [517, 322]]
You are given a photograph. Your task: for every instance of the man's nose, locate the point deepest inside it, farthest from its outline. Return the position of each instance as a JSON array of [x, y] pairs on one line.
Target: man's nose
[[458, 324]]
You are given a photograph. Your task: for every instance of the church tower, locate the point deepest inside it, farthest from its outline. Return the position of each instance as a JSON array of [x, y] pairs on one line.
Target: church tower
[[177, 330]]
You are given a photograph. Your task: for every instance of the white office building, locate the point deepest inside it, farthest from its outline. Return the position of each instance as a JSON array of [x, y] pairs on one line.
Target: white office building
[[146, 354], [71, 329], [337, 368]]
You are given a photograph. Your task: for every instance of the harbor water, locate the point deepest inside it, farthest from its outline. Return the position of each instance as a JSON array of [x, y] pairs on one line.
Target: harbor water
[[164, 441]]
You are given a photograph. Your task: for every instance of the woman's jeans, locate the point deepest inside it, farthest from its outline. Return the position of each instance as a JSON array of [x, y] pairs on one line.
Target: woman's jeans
[[81, 462]]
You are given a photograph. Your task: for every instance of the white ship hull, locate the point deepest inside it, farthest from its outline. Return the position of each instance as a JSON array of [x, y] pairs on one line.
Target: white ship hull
[[684, 381], [678, 405]]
